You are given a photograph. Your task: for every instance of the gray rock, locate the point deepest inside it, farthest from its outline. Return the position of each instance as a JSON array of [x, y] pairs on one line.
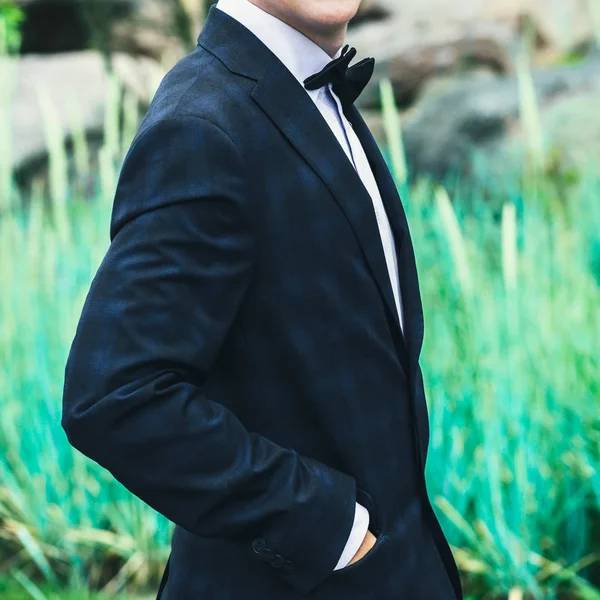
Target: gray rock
[[455, 117], [562, 24], [420, 40], [74, 82], [571, 138]]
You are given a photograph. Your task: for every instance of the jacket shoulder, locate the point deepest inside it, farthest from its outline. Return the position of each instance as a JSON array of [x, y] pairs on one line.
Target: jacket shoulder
[[198, 85]]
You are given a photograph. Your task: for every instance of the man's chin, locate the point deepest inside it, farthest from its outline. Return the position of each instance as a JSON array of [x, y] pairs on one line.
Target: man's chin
[[327, 14]]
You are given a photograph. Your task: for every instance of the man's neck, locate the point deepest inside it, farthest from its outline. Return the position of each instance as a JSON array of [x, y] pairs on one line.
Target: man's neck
[[330, 40]]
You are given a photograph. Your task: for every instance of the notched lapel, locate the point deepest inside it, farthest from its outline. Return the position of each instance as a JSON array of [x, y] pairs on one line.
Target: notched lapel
[[292, 110]]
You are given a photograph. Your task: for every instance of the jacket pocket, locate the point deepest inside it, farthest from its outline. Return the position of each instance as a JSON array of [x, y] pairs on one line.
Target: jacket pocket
[[364, 498], [363, 563]]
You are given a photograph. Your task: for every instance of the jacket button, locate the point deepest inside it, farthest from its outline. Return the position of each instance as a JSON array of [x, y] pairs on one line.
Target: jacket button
[[259, 545], [278, 561], [266, 555], [288, 566]]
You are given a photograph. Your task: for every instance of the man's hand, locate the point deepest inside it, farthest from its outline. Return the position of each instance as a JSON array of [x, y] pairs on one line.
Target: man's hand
[[366, 545]]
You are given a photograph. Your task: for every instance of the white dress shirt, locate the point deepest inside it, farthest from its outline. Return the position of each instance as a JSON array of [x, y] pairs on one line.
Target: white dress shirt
[[303, 57]]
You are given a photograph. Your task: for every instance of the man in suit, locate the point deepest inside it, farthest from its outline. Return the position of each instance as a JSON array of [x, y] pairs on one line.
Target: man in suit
[[246, 361]]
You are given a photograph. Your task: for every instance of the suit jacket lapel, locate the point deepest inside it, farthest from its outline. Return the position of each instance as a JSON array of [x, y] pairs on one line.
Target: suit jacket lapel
[[280, 95], [291, 109]]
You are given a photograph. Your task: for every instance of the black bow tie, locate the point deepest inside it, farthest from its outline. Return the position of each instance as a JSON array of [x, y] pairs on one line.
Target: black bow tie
[[347, 82]]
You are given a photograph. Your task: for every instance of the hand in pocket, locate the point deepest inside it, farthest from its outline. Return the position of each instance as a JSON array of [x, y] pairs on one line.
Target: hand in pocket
[[367, 543]]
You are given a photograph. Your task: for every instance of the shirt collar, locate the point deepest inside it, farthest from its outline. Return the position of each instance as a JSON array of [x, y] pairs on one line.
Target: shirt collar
[[298, 53]]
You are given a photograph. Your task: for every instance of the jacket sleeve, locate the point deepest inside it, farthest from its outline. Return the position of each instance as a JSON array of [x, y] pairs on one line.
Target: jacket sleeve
[[159, 307]]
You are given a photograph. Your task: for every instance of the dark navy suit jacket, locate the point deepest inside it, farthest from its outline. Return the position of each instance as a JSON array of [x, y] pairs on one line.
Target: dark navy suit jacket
[[239, 363]]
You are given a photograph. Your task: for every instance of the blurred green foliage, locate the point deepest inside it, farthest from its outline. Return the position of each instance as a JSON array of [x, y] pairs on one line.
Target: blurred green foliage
[[13, 590], [11, 18]]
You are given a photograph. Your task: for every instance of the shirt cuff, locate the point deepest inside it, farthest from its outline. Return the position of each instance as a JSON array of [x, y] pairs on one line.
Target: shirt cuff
[[357, 535]]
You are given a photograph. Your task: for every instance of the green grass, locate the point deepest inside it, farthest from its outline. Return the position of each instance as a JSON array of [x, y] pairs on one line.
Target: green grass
[[509, 275], [12, 590]]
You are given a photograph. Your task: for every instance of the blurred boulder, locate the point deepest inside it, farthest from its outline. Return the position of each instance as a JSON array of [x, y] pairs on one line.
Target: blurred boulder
[[74, 83], [456, 115], [421, 40], [563, 25], [571, 130], [410, 59]]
